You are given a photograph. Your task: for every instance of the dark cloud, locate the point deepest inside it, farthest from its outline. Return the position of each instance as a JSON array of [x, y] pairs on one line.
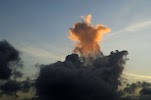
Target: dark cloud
[[10, 71], [26, 85], [9, 60], [145, 91], [11, 87], [73, 80], [145, 88]]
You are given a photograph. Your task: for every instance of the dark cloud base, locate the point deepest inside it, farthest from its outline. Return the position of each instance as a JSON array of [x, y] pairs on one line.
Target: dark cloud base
[[10, 71], [73, 80]]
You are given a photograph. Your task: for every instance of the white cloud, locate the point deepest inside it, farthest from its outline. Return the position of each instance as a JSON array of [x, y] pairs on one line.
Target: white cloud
[[133, 27], [138, 26], [40, 53]]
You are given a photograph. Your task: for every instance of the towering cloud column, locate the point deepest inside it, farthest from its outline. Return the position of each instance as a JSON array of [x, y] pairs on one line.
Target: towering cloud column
[[87, 37]]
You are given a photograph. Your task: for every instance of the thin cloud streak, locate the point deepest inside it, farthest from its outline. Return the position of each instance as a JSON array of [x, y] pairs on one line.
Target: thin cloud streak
[[41, 53], [133, 27], [138, 76], [138, 26]]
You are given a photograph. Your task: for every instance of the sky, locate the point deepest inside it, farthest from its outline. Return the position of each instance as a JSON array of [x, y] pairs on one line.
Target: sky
[[40, 29]]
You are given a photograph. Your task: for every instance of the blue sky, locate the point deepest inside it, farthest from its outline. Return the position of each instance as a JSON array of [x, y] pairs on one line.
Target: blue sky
[[39, 29]]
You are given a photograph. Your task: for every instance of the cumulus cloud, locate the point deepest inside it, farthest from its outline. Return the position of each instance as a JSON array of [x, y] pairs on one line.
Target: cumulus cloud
[[10, 70], [10, 60], [86, 74], [72, 79], [87, 37]]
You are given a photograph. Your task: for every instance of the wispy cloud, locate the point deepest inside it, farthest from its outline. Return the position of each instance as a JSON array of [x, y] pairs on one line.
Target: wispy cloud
[[138, 26], [137, 76], [40, 53], [134, 27]]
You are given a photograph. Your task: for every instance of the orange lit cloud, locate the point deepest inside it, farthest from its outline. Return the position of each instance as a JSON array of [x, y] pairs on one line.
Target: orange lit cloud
[[87, 37]]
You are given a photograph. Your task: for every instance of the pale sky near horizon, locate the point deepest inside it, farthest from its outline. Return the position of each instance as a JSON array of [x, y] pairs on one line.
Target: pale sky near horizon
[[39, 29]]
